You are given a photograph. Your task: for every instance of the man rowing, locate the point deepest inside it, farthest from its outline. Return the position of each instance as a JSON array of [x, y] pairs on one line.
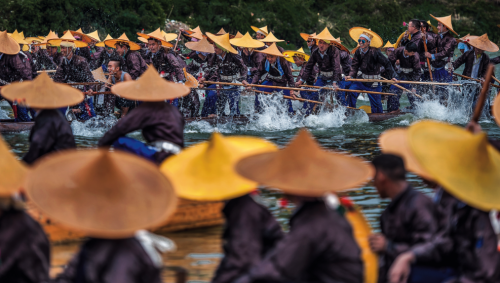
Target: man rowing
[[260, 33], [300, 59]]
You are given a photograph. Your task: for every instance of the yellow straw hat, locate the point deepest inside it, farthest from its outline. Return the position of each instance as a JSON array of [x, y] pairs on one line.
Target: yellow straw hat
[[143, 40], [158, 35], [31, 40], [339, 45], [66, 40], [191, 81], [122, 39], [51, 35], [205, 171], [85, 38], [238, 35], [433, 28], [388, 45], [150, 87], [42, 93], [132, 195], [446, 21], [306, 36], [94, 35], [247, 42], [398, 42], [196, 33], [270, 38], [201, 46], [375, 40], [222, 41], [8, 45], [272, 50], [304, 168], [102, 44], [325, 35], [18, 38], [482, 42], [464, 164], [13, 171], [289, 54], [496, 110], [169, 36], [221, 32], [262, 30], [395, 141]]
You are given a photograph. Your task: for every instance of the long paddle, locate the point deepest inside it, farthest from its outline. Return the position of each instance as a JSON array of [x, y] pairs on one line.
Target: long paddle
[[483, 95], [402, 82], [404, 89], [424, 39], [302, 99], [472, 79]]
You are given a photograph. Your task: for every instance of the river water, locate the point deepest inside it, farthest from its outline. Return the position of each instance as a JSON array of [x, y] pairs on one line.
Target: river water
[[199, 250]]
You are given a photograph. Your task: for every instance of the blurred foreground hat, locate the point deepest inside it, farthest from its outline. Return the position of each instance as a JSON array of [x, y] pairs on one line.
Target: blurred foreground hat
[[13, 171]]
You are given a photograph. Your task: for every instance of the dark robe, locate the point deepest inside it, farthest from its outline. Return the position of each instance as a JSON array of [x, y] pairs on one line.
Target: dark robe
[[14, 68], [44, 62], [24, 249], [410, 62], [345, 62], [251, 231], [419, 42], [312, 77], [158, 121], [408, 220], [196, 65], [320, 247], [274, 75], [252, 62], [106, 260], [50, 133], [369, 63], [31, 62], [84, 52], [330, 64], [495, 60], [135, 64], [167, 65], [465, 241], [445, 47], [468, 59], [231, 66]]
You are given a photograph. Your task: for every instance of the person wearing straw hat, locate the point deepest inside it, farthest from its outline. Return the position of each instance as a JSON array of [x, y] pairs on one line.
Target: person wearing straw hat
[[95, 50], [250, 230], [466, 240], [75, 69], [429, 31], [82, 51], [161, 123], [269, 40], [248, 47], [225, 66], [311, 42], [260, 33], [49, 59], [320, 246], [105, 56], [275, 71], [300, 59], [24, 245], [51, 131], [368, 59], [409, 218], [19, 38], [110, 197]]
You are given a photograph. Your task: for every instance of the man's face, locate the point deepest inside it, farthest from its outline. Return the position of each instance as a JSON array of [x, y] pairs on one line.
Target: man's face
[[259, 36], [298, 61], [363, 43], [389, 52], [153, 46], [310, 42], [271, 58], [113, 68], [120, 49], [442, 28], [218, 51], [411, 28], [478, 51], [380, 181], [52, 50], [323, 46], [109, 49], [66, 51], [407, 53]]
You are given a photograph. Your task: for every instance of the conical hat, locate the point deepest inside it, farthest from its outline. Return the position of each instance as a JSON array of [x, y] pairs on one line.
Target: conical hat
[[196, 33], [238, 35], [338, 43], [191, 81], [446, 21], [150, 87], [158, 36], [85, 38], [99, 75], [201, 46], [221, 32], [289, 54], [8, 45], [13, 171], [482, 42], [247, 42], [270, 38], [395, 141], [102, 44], [169, 36], [222, 41], [325, 35], [131, 195], [18, 38], [272, 50], [51, 35], [31, 40], [388, 45], [306, 36], [262, 30], [304, 168], [376, 40], [398, 42], [496, 110], [143, 40], [94, 35], [205, 171], [464, 164], [67, 37], [123, 38], [42, 93]]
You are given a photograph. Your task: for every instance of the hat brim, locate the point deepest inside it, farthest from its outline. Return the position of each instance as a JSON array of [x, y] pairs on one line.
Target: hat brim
[[162, 40], [112, 43], [85, 38], [196, 47], [246, 44], [57, 42], [305, 36], [356, 32], [289, 54], [256, 29], [488, 46], [444, 24], [11, 47], [217, 39]]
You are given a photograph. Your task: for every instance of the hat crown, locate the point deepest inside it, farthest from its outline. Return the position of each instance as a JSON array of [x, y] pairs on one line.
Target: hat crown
[[221, 32], [271, 38], [272, 50], [123, 37], [325, 35], [246, 42], [94, 35]]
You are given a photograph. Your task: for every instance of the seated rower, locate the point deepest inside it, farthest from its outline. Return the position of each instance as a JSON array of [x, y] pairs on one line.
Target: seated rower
[[205, 172], [299, 58], [161, 123], [116, 75]]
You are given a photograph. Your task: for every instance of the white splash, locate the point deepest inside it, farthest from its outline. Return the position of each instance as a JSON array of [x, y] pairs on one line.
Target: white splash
[[94, 127]]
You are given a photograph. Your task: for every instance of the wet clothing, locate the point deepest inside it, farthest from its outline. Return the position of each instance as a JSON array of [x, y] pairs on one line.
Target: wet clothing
[[445, 46], [252, 62], [135, 64], [472, 63], [465, 241], [46, 62], [84, 52], [31, 62], [158, 121], [417, 39], [25, 249], [409, 70], [50, 133], [320, 247], [312, 76], [495, 60], [408, 220], [251, 231], [345, 62], [106, 260], [104, 58], [167, 65], [328, 64], [197, 64]]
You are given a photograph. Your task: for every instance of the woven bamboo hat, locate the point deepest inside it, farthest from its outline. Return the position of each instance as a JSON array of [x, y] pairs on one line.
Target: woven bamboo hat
[[482, 42], [306, 36], [143, 40], [496, 110], [169, 36], [122, 39], [67, 40], [325, 35], [205, 171], [262, 30], [289, 54], [84, 37], [304, 168], [150, 87], [8, 45], [247, 42], [238, 35], [464, 164], [18, 37], [375, 40], [191, 81], [446, 21], [42, 93], [51, 35], [94, 35], [339, 45], [196, 33], [395, 141], [158, 35], [388, 45], [33, 40], [13, 171], [272, 50], [131, 195], [222, 41], [270, 38], [102, 44], [201, 46]]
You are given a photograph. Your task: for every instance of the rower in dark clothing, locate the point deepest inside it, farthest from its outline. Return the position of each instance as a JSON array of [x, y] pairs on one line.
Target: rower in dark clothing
[[48, 59], [162, 124], [25, 249], [250, 230], [300, 59]]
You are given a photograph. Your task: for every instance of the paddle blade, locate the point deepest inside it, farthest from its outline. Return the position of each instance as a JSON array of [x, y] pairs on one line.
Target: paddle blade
[[190, 80], [99, 75]]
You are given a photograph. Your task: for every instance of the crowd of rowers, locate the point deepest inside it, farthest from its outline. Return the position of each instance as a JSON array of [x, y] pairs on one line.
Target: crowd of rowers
[[113, 196], [423, 53]]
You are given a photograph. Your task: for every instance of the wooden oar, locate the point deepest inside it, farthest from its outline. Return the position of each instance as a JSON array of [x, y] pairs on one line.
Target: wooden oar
[[291, 97], [86, 83], [472, 79], [493, 77], [404, 89], [351, 90], [46, 71], [428, 61], [402, 82], [264, 86], [483, 95]]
